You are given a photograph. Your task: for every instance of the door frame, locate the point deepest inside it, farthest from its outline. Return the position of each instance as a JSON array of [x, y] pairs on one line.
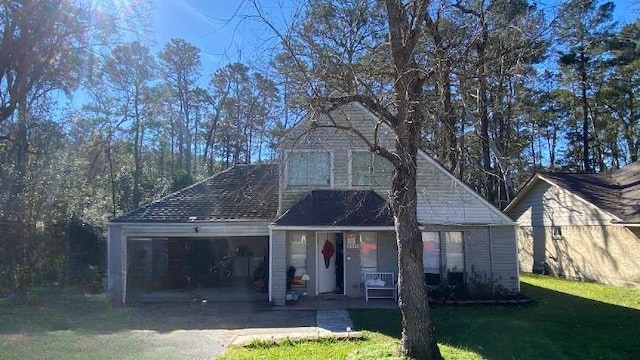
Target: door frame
[[318, 264]]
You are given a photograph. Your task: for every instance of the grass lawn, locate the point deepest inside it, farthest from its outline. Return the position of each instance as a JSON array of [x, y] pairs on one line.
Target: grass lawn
[[569, 320], [63, 325]]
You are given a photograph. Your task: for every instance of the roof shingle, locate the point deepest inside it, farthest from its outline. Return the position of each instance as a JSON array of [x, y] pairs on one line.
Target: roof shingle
[[617, 193], [242, 192], [338, 208]]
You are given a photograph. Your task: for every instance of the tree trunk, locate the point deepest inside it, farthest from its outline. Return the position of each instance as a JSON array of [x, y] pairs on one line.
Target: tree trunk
[[418, 338], [585, 113]]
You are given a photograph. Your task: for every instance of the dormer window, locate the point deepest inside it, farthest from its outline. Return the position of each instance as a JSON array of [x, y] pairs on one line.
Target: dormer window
[[367, 169], [310, 169]]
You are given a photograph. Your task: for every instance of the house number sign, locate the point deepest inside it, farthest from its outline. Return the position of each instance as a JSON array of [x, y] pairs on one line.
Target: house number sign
[[351, 241]]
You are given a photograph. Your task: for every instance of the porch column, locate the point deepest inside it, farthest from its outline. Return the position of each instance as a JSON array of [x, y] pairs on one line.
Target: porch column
[[278, 263], [116, 265]]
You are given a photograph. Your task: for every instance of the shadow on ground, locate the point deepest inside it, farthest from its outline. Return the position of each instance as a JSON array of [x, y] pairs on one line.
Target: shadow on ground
[[77, 313], [555, 326]]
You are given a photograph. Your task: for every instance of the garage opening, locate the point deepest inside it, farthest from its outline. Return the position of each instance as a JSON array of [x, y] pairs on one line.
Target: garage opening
[[197, 268]]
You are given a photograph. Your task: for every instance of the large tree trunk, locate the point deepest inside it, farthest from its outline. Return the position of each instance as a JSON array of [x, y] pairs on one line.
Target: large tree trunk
[[418, 338], [405, 24]]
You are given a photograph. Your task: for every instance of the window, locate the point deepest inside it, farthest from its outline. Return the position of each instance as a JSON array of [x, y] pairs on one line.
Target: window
[[368, 252], [431, 257], [557, 232], [454, 249], [367, 169], [297, 254], [309, 168]]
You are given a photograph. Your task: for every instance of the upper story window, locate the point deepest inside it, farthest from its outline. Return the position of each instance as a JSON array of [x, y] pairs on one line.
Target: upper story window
[[367, 169], [307, 168]]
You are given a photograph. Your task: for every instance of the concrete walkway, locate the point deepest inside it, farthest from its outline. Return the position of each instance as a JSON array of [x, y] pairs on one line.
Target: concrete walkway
[[328, 323], [336, 321]]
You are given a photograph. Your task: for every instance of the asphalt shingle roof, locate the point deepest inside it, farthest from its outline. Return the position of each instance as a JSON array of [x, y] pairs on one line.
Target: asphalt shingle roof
[[242, 192], [617, 192], [338, 208]]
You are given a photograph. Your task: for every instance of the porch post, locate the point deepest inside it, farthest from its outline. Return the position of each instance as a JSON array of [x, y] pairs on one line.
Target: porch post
[[116, 265], [277, 265]]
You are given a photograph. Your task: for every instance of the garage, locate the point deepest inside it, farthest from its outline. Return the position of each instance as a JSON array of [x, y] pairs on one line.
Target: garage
[[207, 242], [197, 268]]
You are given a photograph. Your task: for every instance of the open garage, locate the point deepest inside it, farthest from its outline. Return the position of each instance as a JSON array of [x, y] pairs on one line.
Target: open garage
[[206, 242], [188, 268]]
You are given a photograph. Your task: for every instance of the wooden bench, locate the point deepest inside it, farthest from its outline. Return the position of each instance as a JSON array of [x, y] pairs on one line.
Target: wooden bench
[[380, 285]]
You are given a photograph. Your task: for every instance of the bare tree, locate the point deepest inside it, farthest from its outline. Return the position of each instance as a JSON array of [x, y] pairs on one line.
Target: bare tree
[[405, 23]]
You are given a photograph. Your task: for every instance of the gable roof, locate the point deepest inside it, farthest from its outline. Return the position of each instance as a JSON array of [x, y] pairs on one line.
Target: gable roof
[[436, 164], [338, 208], [242, 192], [617, 193]]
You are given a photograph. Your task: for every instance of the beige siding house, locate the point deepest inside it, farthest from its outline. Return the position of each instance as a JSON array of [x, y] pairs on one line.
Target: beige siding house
[[327, 221], [583, 226]]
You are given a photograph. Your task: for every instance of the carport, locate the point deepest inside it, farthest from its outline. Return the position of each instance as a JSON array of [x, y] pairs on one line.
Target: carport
[[207, 241]]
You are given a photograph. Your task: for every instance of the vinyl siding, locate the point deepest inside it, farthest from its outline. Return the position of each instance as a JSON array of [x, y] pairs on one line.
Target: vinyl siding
[[444, 199], [338, 143], [278, 256], [550, 205], [606, 254], [505, 266], [116, 273], [441, 197], [353, 278], [489, 255]]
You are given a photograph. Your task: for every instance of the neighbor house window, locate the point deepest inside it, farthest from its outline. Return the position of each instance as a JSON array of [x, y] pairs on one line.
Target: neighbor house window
[[454, 248], [368, 251], [367, 169], [309, 168], [297, 252], [431, 257], [557, 232]]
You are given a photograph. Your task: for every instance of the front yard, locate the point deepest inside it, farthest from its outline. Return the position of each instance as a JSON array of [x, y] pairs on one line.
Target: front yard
[[568, 320]]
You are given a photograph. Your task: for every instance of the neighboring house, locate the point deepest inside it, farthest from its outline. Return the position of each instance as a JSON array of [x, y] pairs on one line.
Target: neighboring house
[[321, 210], [583, 226]]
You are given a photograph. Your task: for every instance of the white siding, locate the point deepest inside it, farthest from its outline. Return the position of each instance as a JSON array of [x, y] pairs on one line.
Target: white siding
[[550, 205], [305, 137], [444, 199]]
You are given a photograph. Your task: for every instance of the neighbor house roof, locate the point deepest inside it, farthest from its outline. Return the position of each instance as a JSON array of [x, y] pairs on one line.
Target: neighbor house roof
[[617, 193], [338, 208], [242, 192]]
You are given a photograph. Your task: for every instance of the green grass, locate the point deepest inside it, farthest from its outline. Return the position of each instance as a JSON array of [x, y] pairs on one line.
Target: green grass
[[67, 325], [568, 320]]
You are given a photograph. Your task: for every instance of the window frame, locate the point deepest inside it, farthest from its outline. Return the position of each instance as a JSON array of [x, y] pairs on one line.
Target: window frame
[[303, 238], [371, 176], [445, 274], [374, 235], [307, 185]]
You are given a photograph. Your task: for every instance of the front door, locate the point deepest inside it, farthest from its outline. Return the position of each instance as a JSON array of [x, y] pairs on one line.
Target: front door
[[326, 262]]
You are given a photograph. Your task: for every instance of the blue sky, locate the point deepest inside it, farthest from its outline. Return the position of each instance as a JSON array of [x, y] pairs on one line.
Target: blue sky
[[224, 35], [220, 28]]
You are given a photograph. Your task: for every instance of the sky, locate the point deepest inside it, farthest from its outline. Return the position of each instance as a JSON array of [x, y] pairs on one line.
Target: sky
[[222, 29], [225, 34]]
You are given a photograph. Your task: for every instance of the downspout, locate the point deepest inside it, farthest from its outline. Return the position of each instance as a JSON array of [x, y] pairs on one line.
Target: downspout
[[491, 261], [123, 241], [270, 265]]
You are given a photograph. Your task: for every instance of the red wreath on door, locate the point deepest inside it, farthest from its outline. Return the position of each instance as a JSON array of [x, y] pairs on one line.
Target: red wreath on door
[[327, 252]]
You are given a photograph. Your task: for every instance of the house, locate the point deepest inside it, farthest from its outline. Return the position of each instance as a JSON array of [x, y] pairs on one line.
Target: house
[[316, 221], [583, 226]]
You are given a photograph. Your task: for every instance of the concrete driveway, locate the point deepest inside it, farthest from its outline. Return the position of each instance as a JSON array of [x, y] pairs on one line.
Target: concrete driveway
[[204, 330]]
